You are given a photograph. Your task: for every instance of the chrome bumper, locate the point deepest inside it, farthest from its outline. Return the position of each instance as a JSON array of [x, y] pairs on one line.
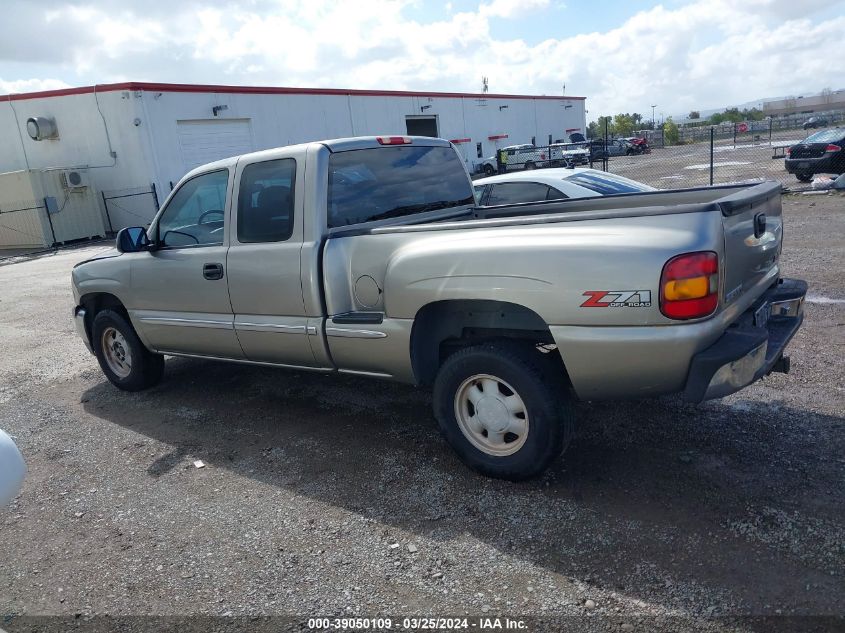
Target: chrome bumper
[[79, 321]]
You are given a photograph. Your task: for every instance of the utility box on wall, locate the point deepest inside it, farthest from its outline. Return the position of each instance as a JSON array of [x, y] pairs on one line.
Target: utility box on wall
[[42, 208]]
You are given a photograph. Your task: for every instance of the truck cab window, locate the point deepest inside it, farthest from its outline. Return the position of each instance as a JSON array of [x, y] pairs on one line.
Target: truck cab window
[[265, 201], [194, 216]]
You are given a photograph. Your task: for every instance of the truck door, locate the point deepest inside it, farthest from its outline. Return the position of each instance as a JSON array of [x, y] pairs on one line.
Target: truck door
[[179, 300], [264, 262]]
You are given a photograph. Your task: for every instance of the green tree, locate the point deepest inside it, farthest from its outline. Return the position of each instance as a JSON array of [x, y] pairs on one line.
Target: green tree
[[670, 132], [596, 128], [695, 114], [623, 125]]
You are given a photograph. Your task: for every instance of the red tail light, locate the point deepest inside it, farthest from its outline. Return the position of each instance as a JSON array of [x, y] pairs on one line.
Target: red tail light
[[393, 140], [832, 148], [689, 286], [788, 151]]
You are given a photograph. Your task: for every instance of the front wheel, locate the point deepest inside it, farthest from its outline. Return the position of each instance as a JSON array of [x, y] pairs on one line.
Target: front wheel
[[530, 165], [122, 356], [489, 170], [504, 413]]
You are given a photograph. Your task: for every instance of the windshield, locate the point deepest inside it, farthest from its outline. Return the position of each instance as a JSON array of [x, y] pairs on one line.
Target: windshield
[[389, 182], [825, 136], [607, 184]]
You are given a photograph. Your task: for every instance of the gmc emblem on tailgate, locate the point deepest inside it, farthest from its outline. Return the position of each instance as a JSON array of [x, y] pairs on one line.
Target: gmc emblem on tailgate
[[617, 299]]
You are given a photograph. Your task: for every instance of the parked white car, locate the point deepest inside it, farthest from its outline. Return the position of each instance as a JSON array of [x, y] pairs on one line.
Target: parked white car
[[552, 184], [12, 470]]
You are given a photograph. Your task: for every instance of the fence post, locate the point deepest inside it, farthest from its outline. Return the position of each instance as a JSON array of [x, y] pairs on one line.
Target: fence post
[[711, 156], [50, 220], [734, 134], [770, 131], [155, 194], [606, 157], [108, 217]]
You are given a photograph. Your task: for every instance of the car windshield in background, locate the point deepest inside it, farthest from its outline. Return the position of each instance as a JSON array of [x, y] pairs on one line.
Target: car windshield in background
[[606, 184], [389, 182], [825, 136]]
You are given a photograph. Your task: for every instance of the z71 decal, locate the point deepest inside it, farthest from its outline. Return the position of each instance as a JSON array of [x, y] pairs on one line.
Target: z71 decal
[[617, 299]]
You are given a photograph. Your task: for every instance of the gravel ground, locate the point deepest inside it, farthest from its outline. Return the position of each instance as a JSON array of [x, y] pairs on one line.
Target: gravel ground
[[335, 495]]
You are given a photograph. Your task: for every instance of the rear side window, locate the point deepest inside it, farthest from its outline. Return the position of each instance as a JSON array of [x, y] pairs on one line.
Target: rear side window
[[606, 184], [514, 192], [394, 181], [825, 136], [265, 201]]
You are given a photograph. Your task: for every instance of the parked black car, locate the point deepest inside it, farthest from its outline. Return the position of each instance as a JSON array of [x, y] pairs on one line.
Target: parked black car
[[814, 122], [819, 153]]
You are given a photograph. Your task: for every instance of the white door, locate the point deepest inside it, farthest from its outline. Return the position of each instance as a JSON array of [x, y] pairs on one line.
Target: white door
[[204, 141]]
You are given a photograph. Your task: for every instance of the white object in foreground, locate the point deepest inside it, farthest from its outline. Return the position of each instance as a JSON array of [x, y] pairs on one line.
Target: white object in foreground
[[12, 469]]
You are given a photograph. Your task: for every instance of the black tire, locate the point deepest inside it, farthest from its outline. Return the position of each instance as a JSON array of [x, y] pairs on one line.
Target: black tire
[[147, 368], [489, 170], [804, 177], [530, 165], [550, 415]]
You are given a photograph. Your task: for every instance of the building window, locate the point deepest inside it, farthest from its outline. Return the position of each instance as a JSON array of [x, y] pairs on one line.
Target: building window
[[534, 141], [479, 150], [550, 139]]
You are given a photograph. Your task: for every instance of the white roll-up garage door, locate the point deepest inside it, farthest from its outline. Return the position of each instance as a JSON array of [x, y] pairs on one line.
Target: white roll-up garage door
[[204, 141]]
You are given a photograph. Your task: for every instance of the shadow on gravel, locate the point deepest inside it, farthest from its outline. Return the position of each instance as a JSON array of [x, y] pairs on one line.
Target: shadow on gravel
[[732, 497]]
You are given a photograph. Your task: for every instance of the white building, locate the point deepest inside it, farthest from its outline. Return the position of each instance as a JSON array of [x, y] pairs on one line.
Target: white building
[[135, 138]]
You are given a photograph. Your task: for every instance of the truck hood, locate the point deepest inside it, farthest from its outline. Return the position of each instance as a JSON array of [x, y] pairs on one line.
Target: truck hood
[[106, 254]]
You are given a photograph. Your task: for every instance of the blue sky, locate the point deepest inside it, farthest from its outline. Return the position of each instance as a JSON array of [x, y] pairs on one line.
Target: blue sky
[[622, 56]]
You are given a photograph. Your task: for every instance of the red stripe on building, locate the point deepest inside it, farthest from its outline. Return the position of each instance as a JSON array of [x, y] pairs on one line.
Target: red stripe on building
[[460, 140], [272, 90], [497, 137]]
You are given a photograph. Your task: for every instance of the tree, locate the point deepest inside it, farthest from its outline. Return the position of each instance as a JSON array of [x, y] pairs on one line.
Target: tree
[[670, 132], [623, 125], [596, 128], [827, 95], [695, 114]]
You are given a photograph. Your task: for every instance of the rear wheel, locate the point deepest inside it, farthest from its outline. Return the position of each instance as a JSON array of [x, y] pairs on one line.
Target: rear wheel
[[502, 411], [489, 170], [804, 177], [530, 165], [122, 356]]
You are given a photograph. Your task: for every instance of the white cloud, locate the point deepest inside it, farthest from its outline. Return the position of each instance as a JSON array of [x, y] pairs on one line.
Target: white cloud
[[510, 8], [30, 85], [707, 53]]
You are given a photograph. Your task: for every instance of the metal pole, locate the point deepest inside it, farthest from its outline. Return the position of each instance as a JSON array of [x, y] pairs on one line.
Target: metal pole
[[711, 156], [108, 217], [606, 157], [734, 134], [155, 194], [50, 220], [770, 131]]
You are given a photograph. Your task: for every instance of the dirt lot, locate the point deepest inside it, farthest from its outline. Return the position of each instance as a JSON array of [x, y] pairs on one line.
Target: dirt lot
[[689, 165], [332, 495]]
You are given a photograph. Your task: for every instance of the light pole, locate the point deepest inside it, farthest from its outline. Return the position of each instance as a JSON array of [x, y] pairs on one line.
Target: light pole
[[652, 116]]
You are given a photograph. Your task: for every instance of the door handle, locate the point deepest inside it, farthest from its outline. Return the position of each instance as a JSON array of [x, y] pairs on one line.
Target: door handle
[[212, 271]]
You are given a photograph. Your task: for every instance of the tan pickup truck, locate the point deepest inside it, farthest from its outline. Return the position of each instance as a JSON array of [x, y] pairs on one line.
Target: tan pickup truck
[[369, 256]]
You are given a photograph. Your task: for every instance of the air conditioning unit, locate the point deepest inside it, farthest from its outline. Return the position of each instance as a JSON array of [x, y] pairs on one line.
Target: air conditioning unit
[[74, 179]]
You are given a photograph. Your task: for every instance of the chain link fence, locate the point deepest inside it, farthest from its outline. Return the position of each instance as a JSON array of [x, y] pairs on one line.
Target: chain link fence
[[134, 206]]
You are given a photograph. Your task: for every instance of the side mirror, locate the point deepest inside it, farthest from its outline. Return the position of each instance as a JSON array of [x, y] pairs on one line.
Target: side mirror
[[132, 240], [12, 470]]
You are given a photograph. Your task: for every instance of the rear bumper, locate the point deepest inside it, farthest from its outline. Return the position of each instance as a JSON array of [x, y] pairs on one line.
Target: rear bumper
[[752, 347], [79, 322], [822, 164]]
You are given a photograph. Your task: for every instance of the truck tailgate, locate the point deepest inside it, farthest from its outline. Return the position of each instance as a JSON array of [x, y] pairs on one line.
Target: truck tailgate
[[753, 227]]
